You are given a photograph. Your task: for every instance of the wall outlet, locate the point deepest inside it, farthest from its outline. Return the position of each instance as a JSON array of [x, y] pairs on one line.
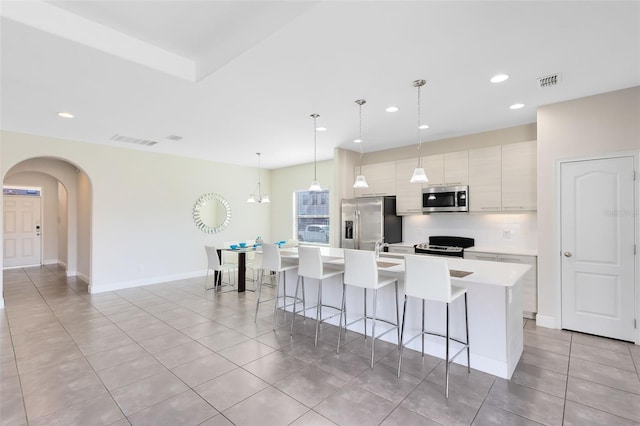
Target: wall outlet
[[506, 234]]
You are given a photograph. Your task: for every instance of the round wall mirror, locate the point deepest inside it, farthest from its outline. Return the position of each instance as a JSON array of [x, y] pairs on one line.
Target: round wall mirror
[[212, 213]]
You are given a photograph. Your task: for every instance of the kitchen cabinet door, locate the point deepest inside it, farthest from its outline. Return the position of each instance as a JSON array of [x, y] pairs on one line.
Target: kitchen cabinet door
[[381, 178], [385, 178], [529, 282], [456, 168], [519, 176], [434, 168], [408, 195], [475, 255], [485, 179]]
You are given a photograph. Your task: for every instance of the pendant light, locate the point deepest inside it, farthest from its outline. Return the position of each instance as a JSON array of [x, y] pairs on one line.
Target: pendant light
[[262, 198], [361, 181], [419, 176], [315, 185]]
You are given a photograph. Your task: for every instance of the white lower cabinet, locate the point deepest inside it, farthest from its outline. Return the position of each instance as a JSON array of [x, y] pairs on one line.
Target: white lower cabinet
[[401, 249], [529, 281]]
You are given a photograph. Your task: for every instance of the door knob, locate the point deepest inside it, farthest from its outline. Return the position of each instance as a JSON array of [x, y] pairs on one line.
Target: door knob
[[567, 254]]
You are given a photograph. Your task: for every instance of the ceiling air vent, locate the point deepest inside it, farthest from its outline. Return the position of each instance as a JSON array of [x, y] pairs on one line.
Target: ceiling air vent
[[549, 80], [175, 138], [128, 139]]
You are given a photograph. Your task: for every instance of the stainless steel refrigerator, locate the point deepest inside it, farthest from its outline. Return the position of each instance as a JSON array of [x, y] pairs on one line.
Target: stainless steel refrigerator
[[369, 219]]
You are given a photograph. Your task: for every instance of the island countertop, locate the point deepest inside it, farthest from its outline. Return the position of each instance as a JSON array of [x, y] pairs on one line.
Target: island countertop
[[482, 271]]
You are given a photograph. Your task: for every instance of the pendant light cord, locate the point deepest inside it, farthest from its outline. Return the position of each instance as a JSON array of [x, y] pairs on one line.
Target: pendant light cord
[[360, 103], [419, 84]]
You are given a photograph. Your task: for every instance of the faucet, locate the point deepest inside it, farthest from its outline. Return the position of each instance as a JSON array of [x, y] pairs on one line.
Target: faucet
[[378, 247]]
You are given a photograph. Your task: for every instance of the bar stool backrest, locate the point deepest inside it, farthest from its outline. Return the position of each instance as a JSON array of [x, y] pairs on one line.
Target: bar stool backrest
[[271, 260], [360, 268], [310, 262], [213, 261], [427, 278]]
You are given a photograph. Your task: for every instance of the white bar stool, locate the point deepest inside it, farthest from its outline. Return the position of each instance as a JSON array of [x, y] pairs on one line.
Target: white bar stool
[[428, 278], [214, 263], [361, 270], [310, 266], [272, 262]]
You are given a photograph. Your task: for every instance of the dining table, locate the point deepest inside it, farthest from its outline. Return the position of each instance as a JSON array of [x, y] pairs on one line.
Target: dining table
[[242, 263]]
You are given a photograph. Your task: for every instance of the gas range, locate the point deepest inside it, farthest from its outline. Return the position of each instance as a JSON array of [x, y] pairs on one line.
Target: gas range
[[445, 246]]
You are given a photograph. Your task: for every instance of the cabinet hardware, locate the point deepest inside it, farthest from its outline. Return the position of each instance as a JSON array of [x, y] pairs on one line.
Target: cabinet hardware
[[489, 208]]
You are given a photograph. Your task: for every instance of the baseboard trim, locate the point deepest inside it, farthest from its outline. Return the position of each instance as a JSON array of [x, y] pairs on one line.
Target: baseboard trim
[[143, 282], [81, 277], [51, 262], [546, 321]]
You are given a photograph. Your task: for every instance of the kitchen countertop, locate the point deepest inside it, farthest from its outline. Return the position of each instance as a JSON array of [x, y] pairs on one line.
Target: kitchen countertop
[[503, 250], [483, 272]]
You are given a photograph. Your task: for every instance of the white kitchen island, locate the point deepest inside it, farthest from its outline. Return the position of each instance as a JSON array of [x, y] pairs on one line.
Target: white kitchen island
[[495, 309]]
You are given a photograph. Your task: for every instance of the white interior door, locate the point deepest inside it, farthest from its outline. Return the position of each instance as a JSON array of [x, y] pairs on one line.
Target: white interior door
[[598, 261], [22, 231]]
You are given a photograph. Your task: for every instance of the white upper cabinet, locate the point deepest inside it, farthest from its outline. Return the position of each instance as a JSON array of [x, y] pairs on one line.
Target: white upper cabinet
[[451, 168], [434, 168], [408, 195], [519, 176], [381, 178], [485, 179], [456, 168]]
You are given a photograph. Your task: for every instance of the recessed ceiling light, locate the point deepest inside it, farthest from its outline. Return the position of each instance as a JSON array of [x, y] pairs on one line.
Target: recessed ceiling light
[[65, 114], [517, 106], [321, 129], [499, 78], [392, 109], [423, 126], [357, 140]]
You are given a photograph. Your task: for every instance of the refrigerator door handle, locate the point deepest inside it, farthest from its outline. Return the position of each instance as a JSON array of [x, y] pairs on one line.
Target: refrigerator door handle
[[356, 228]]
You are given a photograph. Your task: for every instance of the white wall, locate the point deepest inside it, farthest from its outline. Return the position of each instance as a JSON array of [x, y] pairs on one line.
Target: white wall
[[591, 126], [141, 227], [63, 224], [84, 227], [486, 229], [286, 181]]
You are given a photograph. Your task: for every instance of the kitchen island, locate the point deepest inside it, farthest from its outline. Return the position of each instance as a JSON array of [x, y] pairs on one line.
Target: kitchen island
[[495, 308]]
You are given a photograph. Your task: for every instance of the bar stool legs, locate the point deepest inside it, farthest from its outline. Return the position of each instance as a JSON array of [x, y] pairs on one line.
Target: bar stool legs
[[448, 359], [373, 318]]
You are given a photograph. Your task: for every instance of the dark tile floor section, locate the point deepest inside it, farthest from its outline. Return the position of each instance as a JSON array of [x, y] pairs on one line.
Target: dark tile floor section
[[175, 354]]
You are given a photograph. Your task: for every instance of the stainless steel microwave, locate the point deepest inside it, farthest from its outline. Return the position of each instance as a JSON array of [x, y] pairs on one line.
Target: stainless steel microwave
[[445, 199]]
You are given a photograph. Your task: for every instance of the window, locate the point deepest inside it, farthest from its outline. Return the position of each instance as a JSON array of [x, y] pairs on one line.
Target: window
[[312, 216]]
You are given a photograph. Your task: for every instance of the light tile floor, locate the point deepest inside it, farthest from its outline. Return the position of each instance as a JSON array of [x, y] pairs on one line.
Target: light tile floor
[[173, 354]]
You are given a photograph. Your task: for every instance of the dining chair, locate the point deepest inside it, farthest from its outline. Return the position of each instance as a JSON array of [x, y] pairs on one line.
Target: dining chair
[[428, 278], [361, 271], [310, 266], [272, 262], [214, 264]]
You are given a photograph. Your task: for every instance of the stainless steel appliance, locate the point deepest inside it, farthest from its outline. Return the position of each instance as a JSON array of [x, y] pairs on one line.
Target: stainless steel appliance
[[368, 220], [445, 199], [445, 246]]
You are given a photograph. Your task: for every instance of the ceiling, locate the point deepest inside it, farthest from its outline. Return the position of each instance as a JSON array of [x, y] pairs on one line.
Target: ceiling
[[235, 78]]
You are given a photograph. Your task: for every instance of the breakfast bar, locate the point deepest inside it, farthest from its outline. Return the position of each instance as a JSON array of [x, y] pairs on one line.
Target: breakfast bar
[[495, 308]]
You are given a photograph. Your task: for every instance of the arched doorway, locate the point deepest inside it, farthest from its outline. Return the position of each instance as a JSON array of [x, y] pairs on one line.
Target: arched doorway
[[66, 211]]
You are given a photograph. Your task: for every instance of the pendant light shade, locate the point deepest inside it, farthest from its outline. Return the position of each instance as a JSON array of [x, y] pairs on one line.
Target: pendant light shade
[[361, 181], [315, 185], [419, 175], [261, 198]]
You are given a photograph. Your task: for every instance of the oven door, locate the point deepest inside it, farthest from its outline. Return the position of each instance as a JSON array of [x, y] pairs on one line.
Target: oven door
[[445, 199]]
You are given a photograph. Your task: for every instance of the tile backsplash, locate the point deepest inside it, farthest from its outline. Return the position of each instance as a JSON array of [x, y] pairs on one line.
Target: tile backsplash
[[517, 230]]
